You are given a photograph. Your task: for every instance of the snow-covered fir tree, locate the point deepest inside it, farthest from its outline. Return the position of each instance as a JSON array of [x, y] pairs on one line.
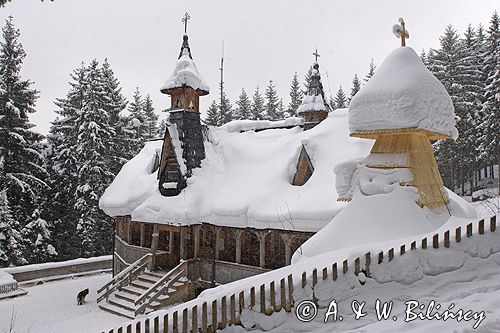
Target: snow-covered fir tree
[[151, 118], [272, 102], [12, 251], [296, 96], [162, 127], [225, 108], [23, 166], [356, 85], [244, 106], [93, 134], [371, 71], [38, 247], [258, 107], [138, 119], [213, 115], [340, 99], [307, 80], [490, 136]]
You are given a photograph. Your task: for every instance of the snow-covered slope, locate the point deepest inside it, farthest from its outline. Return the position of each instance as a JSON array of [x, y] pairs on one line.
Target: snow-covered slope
[[403, 94], [244, 180]]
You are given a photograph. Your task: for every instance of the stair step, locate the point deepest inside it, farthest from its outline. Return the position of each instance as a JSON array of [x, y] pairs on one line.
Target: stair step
[[116, 310], [148, 278], [133, 290], [129, 297], [141, 284], [179, 284], [118, 302], [184, 279], [156, 275]]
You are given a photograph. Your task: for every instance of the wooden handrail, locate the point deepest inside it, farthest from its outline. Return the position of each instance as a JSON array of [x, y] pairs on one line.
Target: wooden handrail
[[126, 275], [153, 298], [179, 269]]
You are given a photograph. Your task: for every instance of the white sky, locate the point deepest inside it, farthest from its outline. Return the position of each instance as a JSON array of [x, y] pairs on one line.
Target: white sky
[[264, 40]]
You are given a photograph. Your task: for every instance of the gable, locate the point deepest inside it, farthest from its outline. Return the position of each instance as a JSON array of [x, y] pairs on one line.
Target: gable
[[170, 178], [304, 170]]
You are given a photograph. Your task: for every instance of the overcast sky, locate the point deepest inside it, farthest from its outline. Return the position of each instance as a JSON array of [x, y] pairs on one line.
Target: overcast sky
[[264, 40]]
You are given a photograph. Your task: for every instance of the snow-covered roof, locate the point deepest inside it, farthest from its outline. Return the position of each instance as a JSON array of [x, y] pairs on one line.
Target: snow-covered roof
[[244, 125], [186, 74], [403, 93], [244, 181], [312, 103]]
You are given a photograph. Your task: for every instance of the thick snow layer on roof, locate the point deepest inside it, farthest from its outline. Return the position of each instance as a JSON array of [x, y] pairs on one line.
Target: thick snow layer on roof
[[381, 215], [403, 94], [135, 182], [244, 180], [6, 278], [244, 125], [185, 74], [312, 103]]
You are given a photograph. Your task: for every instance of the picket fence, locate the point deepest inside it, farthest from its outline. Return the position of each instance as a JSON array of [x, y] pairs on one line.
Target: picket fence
[[220, 312]]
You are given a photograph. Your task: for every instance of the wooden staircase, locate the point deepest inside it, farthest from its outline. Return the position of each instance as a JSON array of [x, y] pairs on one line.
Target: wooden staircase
[[136, 290]]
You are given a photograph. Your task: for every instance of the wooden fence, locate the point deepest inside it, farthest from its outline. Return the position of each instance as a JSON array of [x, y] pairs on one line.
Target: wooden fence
[[8, 287], [273, 297]]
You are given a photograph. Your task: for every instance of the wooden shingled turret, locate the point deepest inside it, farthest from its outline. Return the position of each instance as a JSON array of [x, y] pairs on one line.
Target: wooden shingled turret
[[183, 147], [314, 108], [402, 108]]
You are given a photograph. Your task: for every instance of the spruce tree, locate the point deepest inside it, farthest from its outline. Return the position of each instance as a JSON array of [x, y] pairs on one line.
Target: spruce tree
[[296, 96], [225, 109], [371, 71], [162, 128], [93, 134], [150, 117], [258, 107], [39, 248], [244, 106], [20, 147], [272, 102], [307, 80], [356, 85], [490, 140], [213, 115], [340, 99], [12, 250], [138, 120]]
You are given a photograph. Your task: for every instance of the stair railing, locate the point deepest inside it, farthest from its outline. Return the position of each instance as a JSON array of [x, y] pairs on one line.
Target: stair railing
[[170, 278], [125, 277]]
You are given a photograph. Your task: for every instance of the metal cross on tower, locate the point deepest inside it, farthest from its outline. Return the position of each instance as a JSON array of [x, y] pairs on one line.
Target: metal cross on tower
[[185, 20], [400, 31], [316, 54]]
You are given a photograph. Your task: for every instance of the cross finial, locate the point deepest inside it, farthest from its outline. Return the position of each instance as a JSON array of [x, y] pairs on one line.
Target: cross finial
[[316, 54], [185, 20], [400, 31]]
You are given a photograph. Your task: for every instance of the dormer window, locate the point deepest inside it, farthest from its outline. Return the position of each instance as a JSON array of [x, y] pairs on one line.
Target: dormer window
[[304, 170]]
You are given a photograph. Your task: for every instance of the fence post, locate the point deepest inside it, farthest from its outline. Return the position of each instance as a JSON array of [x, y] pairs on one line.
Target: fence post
[[138, 327], [469, 229], [447, 239], [232, 309], [493, 223], [424, 243], [185, 320], [458, 234], [356, 266], [194, 319], [165, 323], [413, 245], [435, 241], [325, 273], [272, 295], [175, 322], [304, 279], [146, 326], [242, 301], [402, 250], [252, 297], [262, 297], [223, 312], [214, 316], [282, 295], [129, 328], [204, 318], [156, 325], [481, 227], [334, 272], [315, 277], [345, 266], [120, 330], [290, 291], [391, 254], [368, 261], [380, 257]]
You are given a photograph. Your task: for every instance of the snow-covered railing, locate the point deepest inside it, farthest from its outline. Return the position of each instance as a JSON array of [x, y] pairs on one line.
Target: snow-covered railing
[[209, 315], [8, 287], [124, 277]]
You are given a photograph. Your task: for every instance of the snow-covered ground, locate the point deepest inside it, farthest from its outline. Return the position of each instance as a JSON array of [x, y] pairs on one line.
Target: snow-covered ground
[[51, 308]]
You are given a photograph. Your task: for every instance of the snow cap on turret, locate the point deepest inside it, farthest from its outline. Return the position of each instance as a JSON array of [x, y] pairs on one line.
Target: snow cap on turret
[[185, 73], [402, 94]]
